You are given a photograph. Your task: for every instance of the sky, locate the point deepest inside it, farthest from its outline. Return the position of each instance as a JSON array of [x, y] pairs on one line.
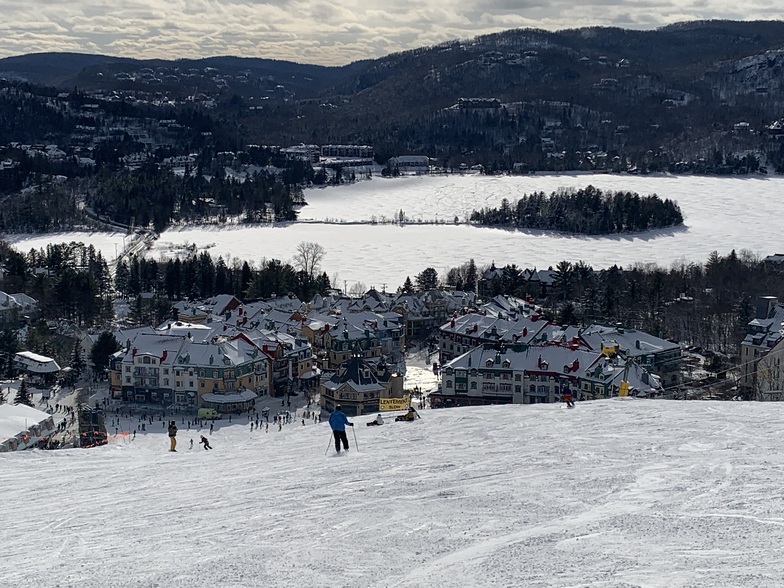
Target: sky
[[319, 31], [621, 493], [359, 253]]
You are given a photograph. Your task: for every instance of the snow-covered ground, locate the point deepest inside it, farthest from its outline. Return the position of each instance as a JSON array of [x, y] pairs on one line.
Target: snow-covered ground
[[616, 493], [720, 214], [109, 244]]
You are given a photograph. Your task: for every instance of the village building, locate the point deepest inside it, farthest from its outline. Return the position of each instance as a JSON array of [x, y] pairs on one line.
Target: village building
[[522, 374], [23, 427], [38, 368], [359, 385]]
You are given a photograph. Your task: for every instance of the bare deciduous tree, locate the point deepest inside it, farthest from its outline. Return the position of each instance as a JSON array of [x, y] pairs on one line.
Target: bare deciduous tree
[[308, 257]]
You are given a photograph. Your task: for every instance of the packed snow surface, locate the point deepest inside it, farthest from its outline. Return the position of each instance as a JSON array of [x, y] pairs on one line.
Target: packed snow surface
[[618, 493], [720, 214]]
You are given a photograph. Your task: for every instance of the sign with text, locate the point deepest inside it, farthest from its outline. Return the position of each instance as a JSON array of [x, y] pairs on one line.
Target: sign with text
[[385, 404]]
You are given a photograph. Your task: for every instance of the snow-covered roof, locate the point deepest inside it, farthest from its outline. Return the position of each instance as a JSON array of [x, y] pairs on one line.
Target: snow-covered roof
[[242, 396], [37, 364], [15, 419]]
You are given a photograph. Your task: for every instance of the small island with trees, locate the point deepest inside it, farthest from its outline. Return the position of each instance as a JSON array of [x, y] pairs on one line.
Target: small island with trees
[[587, 211]]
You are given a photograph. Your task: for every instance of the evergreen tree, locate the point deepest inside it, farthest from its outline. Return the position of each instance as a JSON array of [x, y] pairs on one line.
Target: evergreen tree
[[408, 287], [23, 394], [77, 361], [469, 283], [427, 280], [567, 315], [102, 350]]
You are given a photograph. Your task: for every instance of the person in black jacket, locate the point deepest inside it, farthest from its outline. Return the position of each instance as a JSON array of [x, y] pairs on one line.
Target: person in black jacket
[[206, 442]]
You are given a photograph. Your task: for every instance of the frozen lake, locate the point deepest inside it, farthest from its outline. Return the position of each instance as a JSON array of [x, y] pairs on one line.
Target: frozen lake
[[720, 214]]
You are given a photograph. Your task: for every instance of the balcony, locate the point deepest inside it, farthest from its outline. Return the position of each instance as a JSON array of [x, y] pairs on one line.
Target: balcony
[[146, 383]]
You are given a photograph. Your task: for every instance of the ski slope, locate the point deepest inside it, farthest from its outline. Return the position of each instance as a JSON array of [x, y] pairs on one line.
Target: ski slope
[[614, 494]]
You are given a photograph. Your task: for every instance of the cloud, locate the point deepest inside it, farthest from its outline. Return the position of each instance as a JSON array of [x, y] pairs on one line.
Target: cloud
[[319, 31]]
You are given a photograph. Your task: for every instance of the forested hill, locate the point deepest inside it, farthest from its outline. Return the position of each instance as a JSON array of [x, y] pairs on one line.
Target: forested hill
[[702, 97], [559, 100]]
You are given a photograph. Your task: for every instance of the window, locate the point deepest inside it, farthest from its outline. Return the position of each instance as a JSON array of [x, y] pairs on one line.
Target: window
[[517, 377], [127, 369], [146, 359], [127, 379], [214, 373], [202, 384], [449, 383], [473, 385], [488, 376], [518, 389], [190, 384], [165, 371], [166, 381]]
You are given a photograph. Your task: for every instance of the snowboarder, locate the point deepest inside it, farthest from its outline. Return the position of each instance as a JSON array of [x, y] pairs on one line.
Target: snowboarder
[[567, 398], [411, 415], [206, 442], [172, 436], [379, 420], [191, 447], [338, 422]]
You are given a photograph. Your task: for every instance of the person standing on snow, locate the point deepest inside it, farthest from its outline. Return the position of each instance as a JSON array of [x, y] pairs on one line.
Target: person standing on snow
[[338, 422], [206, 442], [172, 436]]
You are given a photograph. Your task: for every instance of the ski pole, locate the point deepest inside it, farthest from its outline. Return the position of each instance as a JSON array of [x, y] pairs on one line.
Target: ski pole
[[355, 439], [328, 444]]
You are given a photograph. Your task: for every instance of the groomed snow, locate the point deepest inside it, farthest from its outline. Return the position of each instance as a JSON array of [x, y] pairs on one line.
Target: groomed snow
[[616, 493], [720, 214]]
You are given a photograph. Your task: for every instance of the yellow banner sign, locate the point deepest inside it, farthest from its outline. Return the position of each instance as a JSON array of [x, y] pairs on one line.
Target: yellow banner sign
[[385, 404]]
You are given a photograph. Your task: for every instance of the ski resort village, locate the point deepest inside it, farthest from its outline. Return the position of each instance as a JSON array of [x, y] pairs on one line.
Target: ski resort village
[[282, 359], [284, 442]]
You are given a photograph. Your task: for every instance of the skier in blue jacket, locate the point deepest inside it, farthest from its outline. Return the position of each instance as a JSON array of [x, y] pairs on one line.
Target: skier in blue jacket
[[338, 422]]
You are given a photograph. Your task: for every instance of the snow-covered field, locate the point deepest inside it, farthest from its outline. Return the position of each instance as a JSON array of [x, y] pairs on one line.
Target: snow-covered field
[[617, 494], [109, 244], [720, 214]]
